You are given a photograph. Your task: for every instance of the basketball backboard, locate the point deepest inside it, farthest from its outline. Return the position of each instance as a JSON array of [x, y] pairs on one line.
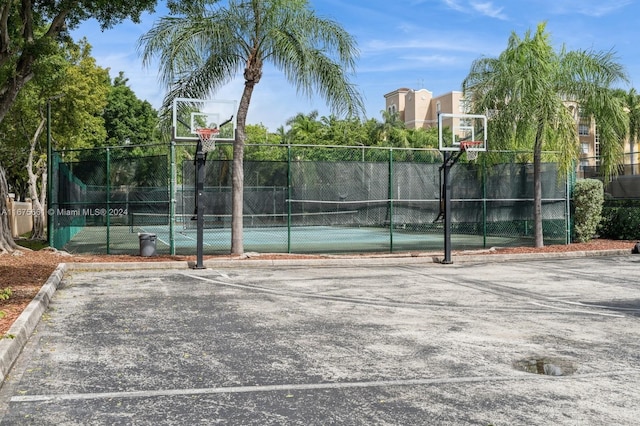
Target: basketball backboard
[[454, 129], [190, 115]]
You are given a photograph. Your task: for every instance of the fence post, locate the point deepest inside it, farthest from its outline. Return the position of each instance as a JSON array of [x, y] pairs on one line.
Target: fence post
[[289, 198], [484, 201], [570, 180], [391, 195], [108, 191], [48, 204], [172, 197]]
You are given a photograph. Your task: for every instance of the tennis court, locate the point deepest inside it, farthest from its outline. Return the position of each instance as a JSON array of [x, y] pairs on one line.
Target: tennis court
[[322, 199], [277, 239]]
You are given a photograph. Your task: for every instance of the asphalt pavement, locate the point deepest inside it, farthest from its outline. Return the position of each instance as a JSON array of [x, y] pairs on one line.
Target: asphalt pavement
[[358, 341]]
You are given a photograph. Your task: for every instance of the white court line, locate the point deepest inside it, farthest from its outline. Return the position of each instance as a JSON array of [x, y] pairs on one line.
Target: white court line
[[310, 386]]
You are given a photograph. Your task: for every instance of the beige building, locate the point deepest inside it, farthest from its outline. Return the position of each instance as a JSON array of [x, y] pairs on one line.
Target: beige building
[[419, 108], [589, 140]]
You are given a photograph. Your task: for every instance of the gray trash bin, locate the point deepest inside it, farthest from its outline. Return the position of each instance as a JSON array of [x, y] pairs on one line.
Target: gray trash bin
[[147, 244]]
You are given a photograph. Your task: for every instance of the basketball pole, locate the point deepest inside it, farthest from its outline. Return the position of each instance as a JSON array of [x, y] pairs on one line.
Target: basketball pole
[[449, 160], [200, 158]]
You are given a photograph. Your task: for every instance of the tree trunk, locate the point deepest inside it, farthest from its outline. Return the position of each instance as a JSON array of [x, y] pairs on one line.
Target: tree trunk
[[237, 178], [7, 245], [537, 190], [37, 200]]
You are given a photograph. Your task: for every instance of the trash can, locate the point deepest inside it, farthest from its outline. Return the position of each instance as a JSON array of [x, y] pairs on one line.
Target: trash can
[[147, 244]]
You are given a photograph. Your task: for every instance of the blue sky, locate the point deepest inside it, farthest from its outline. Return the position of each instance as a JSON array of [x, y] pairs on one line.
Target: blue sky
[[405, 43]]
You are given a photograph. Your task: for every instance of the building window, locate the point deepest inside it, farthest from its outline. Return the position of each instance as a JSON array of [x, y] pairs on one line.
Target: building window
[[466, 123], [585, 148], [392, 109], [583, 128], [465, 106], [581, 113]]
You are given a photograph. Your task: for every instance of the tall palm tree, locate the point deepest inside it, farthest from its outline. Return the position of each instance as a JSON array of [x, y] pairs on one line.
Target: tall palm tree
[[528, 87], [632, 102], [205, 44]]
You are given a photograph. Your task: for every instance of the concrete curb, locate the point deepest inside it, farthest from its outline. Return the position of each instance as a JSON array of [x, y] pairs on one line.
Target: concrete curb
[[13, 342], [416, 258], [23, 327], [488, 258]]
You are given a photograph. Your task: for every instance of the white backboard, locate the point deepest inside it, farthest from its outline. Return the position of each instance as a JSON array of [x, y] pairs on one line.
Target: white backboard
[[192, 114], [453, 129]]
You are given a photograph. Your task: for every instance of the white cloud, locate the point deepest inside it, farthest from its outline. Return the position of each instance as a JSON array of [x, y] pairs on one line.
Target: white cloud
[[592, 8], [455, 5], [484, 8], [488, 9], [450, 43]]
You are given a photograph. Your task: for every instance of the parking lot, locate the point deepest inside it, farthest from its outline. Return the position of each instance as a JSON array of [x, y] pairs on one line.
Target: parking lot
[[554, 341]]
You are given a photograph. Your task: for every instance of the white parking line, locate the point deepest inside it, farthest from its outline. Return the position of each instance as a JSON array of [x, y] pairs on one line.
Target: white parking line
[[311, 386]]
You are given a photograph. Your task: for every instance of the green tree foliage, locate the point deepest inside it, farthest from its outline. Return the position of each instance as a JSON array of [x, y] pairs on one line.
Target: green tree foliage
[[202, 48], [76, 89], [526, 90], [632, 103], [258, 134], [71, 72], [127, 119], [30, 32]]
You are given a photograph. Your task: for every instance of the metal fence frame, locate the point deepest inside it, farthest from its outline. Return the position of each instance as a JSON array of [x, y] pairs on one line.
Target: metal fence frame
[[391, 158]]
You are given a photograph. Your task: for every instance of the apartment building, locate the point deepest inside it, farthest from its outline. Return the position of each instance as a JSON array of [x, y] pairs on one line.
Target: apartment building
[[419, 108]]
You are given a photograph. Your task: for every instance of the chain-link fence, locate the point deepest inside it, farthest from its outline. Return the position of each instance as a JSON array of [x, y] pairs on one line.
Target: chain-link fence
[[304, 199]]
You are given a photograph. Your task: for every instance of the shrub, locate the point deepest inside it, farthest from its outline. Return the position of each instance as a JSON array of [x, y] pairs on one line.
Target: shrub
[[620, 220], [588, 197]]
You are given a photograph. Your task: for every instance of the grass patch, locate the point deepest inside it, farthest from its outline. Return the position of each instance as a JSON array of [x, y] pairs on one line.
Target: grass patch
[[32, 244]]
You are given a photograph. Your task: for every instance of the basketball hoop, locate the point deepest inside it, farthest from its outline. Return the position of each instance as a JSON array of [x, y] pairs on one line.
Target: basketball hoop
[[208, 138], [472, 155]]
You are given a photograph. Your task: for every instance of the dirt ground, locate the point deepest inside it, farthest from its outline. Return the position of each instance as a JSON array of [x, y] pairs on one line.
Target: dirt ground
[[25, 271]]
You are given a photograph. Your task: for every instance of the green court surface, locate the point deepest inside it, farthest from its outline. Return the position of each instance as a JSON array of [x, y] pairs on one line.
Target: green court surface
[[302, 239]]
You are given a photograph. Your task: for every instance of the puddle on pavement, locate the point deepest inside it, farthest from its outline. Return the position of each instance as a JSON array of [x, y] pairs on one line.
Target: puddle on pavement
[[546, 366]]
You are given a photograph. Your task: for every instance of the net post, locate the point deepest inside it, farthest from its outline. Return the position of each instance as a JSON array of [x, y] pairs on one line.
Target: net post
[[172, 198]]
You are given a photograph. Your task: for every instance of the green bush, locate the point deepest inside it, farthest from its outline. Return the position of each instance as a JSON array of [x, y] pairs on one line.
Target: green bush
[[588, 198], [620, 220]]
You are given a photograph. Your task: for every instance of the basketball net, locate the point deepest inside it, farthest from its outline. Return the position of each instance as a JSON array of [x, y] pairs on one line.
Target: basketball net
[[208, 138], [471, 155]]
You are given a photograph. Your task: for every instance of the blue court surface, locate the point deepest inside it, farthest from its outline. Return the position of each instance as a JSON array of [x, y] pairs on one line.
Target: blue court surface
[[299, 239]]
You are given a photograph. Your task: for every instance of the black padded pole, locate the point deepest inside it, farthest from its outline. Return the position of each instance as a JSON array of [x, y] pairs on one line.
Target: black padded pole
[[200, 160]]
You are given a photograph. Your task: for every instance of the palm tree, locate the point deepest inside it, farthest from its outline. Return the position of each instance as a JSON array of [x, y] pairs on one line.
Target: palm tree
[[392, 130], [528, 88], [632, 102], [202, 48], [304, 127]]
